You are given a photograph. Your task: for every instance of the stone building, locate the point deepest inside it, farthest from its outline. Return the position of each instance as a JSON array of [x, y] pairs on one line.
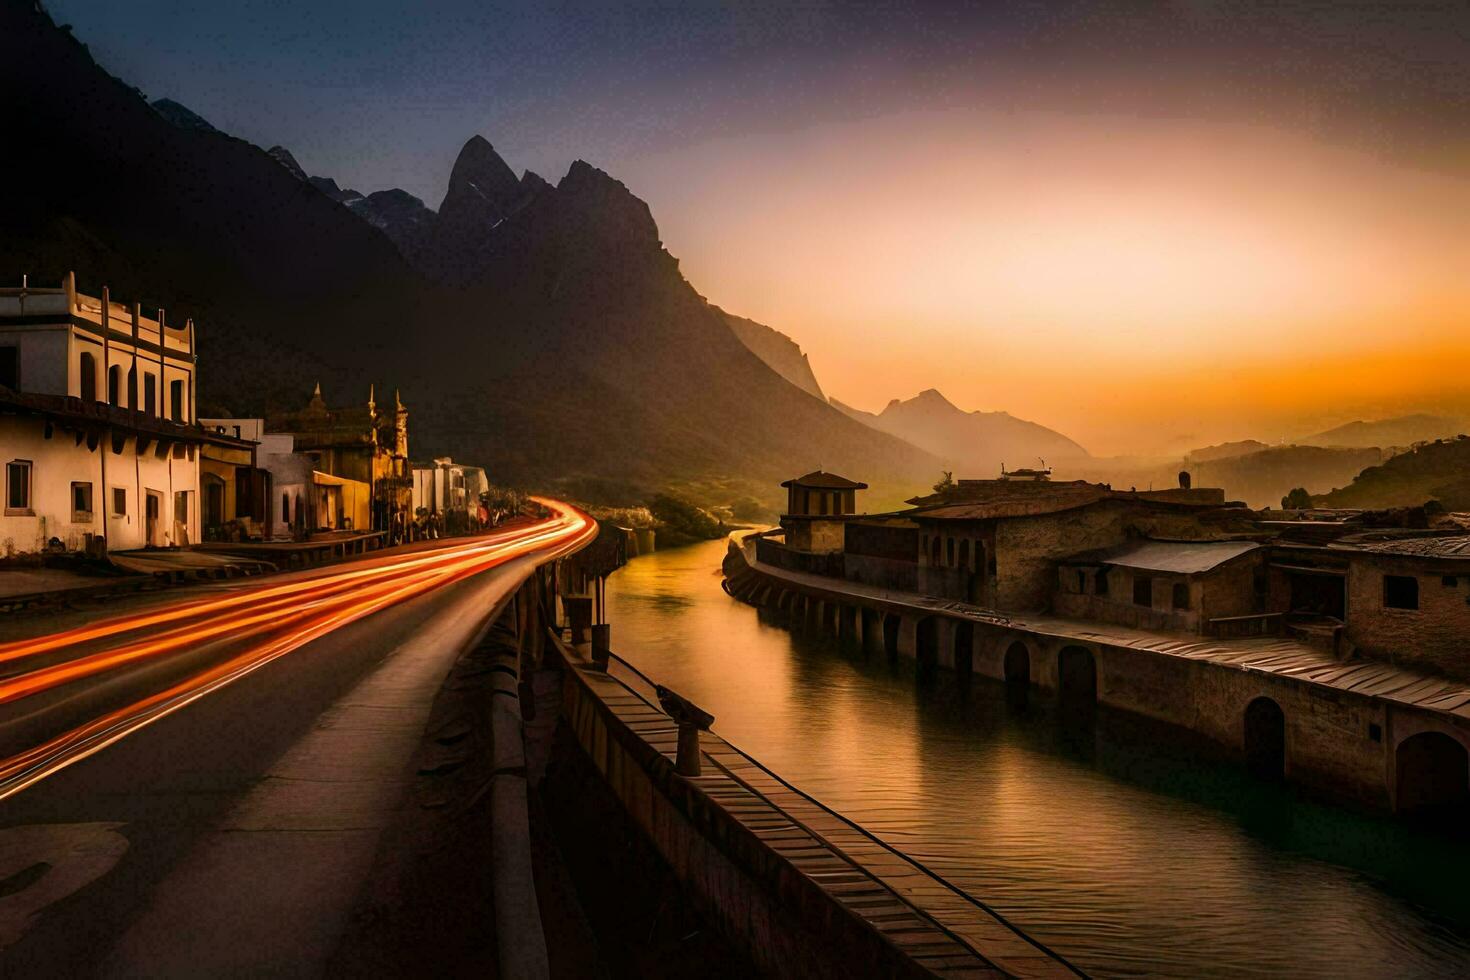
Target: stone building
[[817, 507], [1408, 602], [357, 447], [1167, 585], [997, 543], [97, 427]]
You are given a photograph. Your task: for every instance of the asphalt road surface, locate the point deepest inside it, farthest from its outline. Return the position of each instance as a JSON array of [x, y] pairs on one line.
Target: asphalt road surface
[[196, 787]]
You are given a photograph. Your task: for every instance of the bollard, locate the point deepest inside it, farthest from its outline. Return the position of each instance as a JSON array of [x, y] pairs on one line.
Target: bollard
[[687, 763], [601, 645], [692, 719]]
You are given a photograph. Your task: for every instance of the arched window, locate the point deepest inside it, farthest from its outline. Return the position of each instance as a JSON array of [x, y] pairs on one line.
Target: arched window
[[950, 552], [934, 555], [133, 387], [285, 508], [176, 401], [114, 385], [89, 377], [150, 395]]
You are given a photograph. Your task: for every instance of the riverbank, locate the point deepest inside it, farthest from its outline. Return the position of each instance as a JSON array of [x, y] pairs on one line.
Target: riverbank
[[1092, 840]]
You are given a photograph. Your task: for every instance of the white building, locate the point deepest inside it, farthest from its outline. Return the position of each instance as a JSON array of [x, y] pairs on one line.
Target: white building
[[450, 491], [291, 494], [97, 430]]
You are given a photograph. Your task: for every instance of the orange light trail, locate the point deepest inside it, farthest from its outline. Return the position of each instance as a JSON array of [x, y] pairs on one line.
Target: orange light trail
[[332, 601]]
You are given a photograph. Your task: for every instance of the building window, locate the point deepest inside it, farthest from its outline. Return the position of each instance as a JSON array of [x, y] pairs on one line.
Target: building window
[[18, 487], [119, 502], [1143, 591], [89, 377], [81, 503], [133, 387], [150, 394], [10, 367], [114, 385], [1101, 581], [1181, 595], [1449, 581], [1400, 592], [176, 400]]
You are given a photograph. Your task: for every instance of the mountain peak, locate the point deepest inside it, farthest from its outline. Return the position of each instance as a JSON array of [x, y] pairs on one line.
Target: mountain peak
[[283, 156], [480, 174]]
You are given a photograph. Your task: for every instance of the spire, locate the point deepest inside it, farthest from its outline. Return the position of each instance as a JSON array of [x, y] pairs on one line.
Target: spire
[[317, 403], [397, 400], [372, 399]]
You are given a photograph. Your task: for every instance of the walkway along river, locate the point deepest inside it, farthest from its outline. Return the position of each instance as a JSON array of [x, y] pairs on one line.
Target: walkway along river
[[1124, 845]]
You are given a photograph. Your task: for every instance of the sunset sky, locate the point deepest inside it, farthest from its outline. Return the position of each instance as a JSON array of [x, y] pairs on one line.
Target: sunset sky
[[1149, 226]]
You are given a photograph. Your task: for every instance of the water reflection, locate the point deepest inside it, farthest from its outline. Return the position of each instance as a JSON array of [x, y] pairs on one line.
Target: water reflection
[[1122, 844]]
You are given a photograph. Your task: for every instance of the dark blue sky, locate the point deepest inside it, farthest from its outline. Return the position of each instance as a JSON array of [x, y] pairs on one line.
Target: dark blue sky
[[383, 94]]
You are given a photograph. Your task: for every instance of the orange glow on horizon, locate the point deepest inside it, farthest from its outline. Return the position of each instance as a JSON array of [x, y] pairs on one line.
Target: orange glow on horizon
[[1062, 267]]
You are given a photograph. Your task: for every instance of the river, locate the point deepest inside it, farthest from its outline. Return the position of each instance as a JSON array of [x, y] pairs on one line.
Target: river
[[1126, 846]]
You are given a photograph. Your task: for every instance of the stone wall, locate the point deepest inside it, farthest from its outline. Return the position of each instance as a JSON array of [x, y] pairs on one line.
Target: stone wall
[[760, 902], [1434, 637]]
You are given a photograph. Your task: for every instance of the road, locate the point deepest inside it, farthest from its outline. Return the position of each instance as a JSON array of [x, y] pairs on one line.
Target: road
[[198, 786]]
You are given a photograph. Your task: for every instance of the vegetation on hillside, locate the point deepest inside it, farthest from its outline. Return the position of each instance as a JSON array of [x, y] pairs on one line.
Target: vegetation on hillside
[[1437, 471]]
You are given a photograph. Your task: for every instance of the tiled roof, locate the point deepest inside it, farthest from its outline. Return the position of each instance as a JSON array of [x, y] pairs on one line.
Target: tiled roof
[[819, 480]]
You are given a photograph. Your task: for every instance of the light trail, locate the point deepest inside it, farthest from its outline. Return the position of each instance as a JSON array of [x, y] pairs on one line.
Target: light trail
[[567, 531], [188, 610]]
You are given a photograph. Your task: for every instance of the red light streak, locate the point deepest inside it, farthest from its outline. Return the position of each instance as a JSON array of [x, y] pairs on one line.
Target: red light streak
[[292, 615]]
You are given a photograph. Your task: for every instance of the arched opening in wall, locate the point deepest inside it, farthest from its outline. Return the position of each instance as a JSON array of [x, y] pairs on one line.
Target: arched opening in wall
[[1077, 677], [1017, 667], [934, 551], [1433, 778], [114, 385], [926, 644], [890, 635], [964, 650], [951, 552], [88, 375], [1265, 739]]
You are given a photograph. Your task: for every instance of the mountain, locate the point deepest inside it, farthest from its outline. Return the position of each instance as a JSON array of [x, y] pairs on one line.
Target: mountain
[[1225, 450], [780, 352], [1262, 478], [182, 116], [574, 356], [483, 191], [1439, 470], [1405, 430], [283, 156], [644, 377], [973, 443]]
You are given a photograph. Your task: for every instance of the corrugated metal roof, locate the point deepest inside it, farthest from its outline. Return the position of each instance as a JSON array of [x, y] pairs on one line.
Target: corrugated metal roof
[[1178, 557]]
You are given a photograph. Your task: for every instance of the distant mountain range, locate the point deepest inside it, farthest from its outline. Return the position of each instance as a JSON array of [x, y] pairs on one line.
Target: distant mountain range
[[972, 444], [542, 331], [1404, 430]]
